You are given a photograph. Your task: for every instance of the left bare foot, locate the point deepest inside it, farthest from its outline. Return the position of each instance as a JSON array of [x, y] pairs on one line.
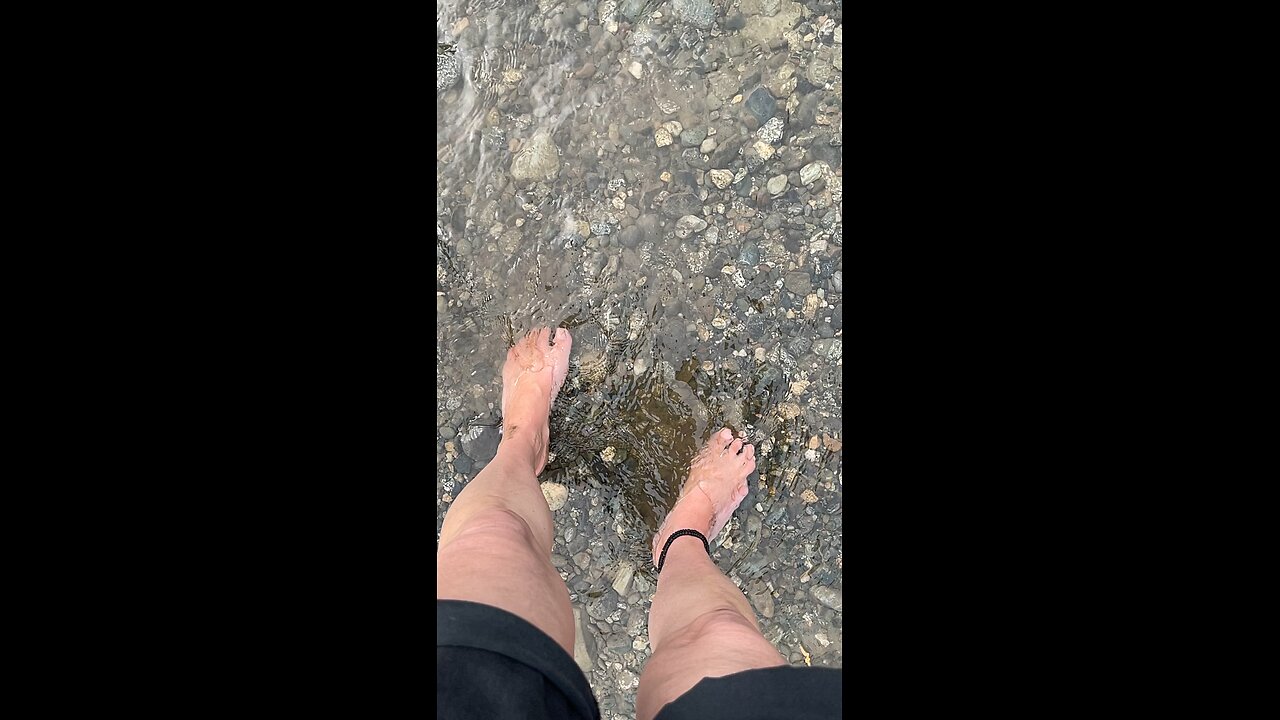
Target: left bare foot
[[531, 378]]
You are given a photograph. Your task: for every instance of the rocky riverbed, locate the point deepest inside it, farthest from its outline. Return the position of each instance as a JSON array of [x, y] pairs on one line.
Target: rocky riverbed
[[664, 179]]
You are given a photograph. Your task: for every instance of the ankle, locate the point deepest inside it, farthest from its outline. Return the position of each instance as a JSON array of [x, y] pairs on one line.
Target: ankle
[[525, 439]]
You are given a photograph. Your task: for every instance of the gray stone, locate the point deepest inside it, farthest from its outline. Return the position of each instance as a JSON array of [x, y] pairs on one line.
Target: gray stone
[[618, 643], [631, 9], [768, 29], [448, 70], [555, 494], [762, 599], [771, 131], [537, 161], [762, 104], [688, 225], [693, 137], [811, 172], [833, 599], [681, 204], [698, 13], [799, 281], [583, 643], [777, 184]]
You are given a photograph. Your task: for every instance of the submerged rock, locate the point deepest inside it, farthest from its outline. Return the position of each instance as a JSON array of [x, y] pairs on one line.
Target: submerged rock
[[537, 161], [448, 70], [556, 495], [698, 13]]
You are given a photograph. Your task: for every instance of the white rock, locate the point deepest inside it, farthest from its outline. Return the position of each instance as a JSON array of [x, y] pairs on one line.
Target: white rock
[[538, 160], [707, 146], [763, 149], [661, 137], [811, 172], [636, 69], [622, 580], [721, 178], [688, 225], [777, 184], [556, 495]]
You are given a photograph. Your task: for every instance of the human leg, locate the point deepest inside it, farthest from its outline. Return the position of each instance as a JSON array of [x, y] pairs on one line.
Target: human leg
[[700, 624], [495, 545]]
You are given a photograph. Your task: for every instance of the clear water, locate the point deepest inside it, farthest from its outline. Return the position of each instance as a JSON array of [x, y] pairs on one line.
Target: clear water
[[674, 336]]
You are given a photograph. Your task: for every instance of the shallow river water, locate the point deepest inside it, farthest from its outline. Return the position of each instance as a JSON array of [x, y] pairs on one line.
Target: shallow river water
[[665, 180]]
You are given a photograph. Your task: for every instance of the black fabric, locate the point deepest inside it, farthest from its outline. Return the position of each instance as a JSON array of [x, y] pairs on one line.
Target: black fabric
[[794, 693], [491, 664]]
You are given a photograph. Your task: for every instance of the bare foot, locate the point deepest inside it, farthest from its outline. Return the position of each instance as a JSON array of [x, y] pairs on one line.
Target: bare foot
[[717, 484], [531, 378]]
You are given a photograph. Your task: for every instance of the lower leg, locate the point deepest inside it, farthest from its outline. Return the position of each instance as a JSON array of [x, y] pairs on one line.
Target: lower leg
[[700, 624], [495, 544]]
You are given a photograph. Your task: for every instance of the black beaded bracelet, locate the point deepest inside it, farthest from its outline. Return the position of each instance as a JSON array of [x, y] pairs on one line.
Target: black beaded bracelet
[[681, 533]]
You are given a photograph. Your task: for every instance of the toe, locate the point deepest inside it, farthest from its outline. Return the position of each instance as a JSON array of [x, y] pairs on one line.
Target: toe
[[541, 338], [735, 447], [562, 339], [748, 468], [748, 451]]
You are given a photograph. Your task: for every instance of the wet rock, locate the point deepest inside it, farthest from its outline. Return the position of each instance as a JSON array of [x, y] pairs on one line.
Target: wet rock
[[771, 131], [777, 185], [688, 225], [761, 598], [833, 599], [735, 22], [618, 643], [799, 281], [765, 29], [693, 137], [749, 254], [829, 348], [583, 643], [707, 146], [448, 70], [463, 464], [629, 236], [830, 154], [681, 204], [762, 104], [538, 160], [631, 9], [622, 578], [555, 494], [482, 445], [811, 172], [698, 13], [721, 178]]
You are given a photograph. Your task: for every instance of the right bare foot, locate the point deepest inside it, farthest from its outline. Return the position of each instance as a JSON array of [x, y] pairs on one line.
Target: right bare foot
[[717, 484]]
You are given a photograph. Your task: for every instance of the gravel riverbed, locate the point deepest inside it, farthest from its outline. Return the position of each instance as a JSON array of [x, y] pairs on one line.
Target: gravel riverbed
[[664, 179]]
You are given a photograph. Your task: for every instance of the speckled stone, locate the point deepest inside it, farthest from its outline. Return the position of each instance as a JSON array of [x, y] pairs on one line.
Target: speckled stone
[[698, 13]]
